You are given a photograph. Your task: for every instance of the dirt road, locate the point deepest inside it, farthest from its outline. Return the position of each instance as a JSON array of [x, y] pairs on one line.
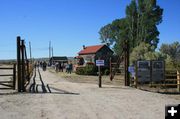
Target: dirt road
[[84, 101]]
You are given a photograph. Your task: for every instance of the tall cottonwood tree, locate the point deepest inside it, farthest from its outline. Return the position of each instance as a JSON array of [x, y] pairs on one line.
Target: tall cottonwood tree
[[131, 17], [143, 16], [107, 35], [115, 34], [139, 25]]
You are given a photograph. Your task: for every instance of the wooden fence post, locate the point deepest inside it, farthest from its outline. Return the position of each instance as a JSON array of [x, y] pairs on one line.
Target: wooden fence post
[[19, 63], [178, 81], [23, 66]]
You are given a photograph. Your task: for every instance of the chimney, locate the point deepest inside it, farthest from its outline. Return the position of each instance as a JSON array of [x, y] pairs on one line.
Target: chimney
[[84, 47]]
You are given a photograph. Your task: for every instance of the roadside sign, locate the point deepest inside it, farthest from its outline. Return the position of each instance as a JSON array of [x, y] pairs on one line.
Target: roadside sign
[[131, 69], [99, 62]]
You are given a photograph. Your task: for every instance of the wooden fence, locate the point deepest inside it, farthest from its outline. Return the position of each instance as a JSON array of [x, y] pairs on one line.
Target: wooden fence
[[11, 83], [172, 80], [24, 69]]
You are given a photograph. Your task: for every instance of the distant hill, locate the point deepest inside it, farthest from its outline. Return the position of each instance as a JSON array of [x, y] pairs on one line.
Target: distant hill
[[12, 61], [70, 58], [9, 61]]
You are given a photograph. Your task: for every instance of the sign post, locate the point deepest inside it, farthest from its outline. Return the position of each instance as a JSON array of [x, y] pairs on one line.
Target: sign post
[[100, 63], [100, 83]]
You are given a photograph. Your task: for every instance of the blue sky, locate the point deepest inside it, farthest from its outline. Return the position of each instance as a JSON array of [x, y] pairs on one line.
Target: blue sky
[[69, 24]]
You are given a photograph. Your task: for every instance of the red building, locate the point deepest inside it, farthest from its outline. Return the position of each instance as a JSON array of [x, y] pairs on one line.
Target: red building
[[90, 54]]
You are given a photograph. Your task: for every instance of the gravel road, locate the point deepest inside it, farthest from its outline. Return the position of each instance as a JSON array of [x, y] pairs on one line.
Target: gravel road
[[70, 100]]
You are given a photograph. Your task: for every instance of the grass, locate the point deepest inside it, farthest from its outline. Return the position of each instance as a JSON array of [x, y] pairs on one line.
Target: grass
[[73, 77]]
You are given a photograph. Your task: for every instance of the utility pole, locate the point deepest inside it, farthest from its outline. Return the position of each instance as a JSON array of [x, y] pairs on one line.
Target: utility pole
[[52, 51], [30, 51], [126, 63], [49, 50]]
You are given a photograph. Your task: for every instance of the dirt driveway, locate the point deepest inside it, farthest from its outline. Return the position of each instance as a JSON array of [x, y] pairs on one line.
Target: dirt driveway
[[70, 100]]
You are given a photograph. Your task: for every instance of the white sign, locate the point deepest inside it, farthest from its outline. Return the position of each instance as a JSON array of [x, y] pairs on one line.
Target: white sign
[[99, 62]]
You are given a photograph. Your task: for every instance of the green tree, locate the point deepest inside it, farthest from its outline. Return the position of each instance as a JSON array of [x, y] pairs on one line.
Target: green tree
[[171, 49], [139, 25], [139, 52], [143, 17], [106, 34], [145, 51], [131, 18], [153, 55], [171, 54], [120, 31], [115, 34]]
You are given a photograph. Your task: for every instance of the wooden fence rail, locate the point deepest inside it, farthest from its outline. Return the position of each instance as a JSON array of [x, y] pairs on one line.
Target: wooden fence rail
[[178, 81], [172, 79], [11, 84]]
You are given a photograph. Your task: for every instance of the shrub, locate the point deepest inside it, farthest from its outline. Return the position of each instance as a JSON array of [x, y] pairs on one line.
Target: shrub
[[80, 71], [87, 70], [106, 72], [89, 63], [90, 70]]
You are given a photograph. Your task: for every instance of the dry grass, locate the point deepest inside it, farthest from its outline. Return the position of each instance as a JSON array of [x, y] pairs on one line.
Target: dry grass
[[118, 80]]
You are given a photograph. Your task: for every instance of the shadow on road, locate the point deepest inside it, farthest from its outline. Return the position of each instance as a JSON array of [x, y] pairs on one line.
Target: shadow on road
[[39, 88], [60, 91], [116, 87], [11, 93], [35, 88]]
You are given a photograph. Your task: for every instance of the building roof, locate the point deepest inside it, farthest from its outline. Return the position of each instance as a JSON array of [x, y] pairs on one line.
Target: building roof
[[91, 49], [78, 57], [62, 58]]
